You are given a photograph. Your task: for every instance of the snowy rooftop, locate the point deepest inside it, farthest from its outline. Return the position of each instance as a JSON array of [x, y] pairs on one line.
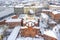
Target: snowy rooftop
[[50, 33], [44, 15], [47, 10], [38, 6], [13, 20], [35, 6], [56, 12], [19, 6], [52, 22], [54, 6], [28, 4], [23, 27], [14, 33], [36, 27]]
